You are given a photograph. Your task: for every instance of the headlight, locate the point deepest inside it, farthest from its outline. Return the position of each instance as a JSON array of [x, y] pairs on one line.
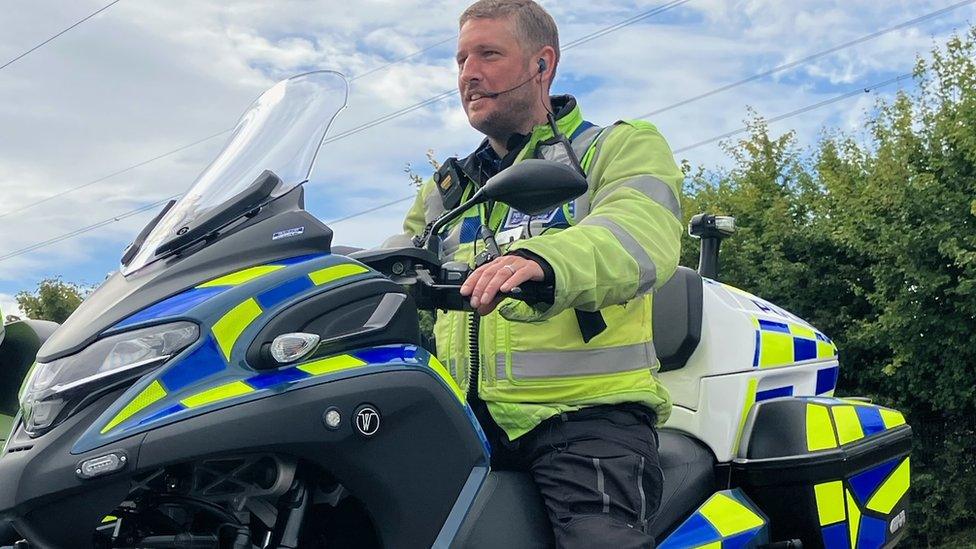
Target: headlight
[[51, 386]]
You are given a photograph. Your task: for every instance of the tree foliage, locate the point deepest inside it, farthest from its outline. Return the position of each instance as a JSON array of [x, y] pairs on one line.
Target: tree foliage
[[53, 300], [874, 242]]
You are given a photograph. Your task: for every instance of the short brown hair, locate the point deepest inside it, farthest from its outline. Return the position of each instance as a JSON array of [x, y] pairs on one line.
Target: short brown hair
[[534, 26]]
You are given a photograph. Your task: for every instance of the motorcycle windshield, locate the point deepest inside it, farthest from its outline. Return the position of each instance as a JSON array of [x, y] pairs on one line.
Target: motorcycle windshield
[[281, 131]]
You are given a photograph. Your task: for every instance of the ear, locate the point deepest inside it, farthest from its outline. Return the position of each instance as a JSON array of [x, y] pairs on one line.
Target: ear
[[547, 59]]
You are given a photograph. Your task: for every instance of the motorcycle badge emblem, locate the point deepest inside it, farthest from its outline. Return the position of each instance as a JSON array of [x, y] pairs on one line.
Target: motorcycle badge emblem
[[367, 421]]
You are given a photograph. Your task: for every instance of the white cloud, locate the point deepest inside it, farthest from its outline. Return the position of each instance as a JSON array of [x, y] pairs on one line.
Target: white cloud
[[8, 306], [145, 77]]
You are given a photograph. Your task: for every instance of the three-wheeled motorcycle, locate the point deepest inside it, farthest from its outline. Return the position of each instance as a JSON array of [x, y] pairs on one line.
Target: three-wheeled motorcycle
[[19, 341], [239, 384]]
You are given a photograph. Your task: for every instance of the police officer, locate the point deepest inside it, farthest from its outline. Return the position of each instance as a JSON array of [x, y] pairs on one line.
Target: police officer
[[566, 391]]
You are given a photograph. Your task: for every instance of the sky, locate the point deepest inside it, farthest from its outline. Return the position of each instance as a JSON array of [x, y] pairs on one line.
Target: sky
[[144, 78]]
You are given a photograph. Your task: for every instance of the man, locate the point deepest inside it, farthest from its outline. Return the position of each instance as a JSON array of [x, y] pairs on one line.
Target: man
[[565, 391]]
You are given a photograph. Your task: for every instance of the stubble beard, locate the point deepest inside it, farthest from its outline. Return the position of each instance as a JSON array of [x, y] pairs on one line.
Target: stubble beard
[[509, 116]]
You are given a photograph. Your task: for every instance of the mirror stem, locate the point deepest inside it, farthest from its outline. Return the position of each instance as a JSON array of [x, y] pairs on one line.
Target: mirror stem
[[431, 244]]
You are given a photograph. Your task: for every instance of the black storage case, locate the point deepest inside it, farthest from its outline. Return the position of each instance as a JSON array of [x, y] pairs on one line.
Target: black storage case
[[829, 472]]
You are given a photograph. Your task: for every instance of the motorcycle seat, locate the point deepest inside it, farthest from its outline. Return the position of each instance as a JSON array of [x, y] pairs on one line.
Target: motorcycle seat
[[509, 512], [677, 318], [689, 479]]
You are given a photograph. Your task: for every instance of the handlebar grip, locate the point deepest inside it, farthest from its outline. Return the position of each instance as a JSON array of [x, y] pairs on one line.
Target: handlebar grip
[[534, 292]]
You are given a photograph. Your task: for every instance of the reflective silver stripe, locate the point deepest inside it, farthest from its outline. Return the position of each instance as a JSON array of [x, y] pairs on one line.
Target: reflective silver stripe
[[601, 486], [451, 243], [599, 143], [433, 206], [557, 152], [583, 141], [543, 364], [582, 204], [649, 186], [640, 490], [645, 265]]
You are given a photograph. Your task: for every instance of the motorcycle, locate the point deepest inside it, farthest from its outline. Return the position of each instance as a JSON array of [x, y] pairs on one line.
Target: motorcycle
[[19, 342], [239, 384]]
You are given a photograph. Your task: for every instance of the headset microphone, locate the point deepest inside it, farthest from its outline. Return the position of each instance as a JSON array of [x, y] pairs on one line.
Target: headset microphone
[[542, 69]]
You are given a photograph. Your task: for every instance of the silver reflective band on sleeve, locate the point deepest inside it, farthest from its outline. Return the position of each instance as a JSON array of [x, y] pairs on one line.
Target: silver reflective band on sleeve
[[645, 265], [649, 186], [582, 203], [543, 364]]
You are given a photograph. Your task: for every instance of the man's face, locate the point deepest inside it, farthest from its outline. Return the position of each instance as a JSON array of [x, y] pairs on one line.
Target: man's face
[[490, 59]]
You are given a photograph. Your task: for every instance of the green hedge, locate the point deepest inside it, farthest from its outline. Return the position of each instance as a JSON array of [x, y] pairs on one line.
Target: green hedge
[[872, 238]]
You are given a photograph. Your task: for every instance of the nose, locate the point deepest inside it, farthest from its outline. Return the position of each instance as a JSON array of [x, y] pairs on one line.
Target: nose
[[469, 73]]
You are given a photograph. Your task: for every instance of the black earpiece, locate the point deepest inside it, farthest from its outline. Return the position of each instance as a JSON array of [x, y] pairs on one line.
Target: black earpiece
[[542, 65]]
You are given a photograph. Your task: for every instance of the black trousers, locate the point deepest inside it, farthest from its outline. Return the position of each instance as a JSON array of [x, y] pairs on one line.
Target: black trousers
[[597, 470]]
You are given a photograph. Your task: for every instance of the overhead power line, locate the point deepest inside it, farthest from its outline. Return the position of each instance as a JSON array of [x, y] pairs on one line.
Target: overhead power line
[[372, 123], [581, 40], [625, 23], [811, 57], [42, 44], [846, 95], [111, 175], [86, 229], [797, 112], [448, 93], [405, 57]]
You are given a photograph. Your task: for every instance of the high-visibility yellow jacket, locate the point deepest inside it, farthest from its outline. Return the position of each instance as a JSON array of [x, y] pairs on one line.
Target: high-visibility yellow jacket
[[608, 249]]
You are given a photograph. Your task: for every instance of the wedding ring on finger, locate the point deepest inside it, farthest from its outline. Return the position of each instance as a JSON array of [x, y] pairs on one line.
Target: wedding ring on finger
[[510, 268]]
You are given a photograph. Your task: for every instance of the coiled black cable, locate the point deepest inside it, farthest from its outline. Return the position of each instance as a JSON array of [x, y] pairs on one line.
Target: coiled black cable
[[474, 357]]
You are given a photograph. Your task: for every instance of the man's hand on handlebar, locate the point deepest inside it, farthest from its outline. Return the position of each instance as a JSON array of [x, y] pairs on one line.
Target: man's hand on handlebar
[[502, 274]]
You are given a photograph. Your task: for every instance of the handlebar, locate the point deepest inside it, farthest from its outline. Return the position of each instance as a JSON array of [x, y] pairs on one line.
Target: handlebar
[[437, 285]]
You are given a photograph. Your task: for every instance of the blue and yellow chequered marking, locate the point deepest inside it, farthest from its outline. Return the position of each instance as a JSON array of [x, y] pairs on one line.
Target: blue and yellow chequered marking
[[280, 379], [214, 353], [892, 490], [182, 302], [229, 327], [331, 365], [336, 272], [746, 406], [148, 396], [217, 394], [827, 380], [843, 514], [727, 519], [240, 277], [833, 422], [446, 377], [785, 343]]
